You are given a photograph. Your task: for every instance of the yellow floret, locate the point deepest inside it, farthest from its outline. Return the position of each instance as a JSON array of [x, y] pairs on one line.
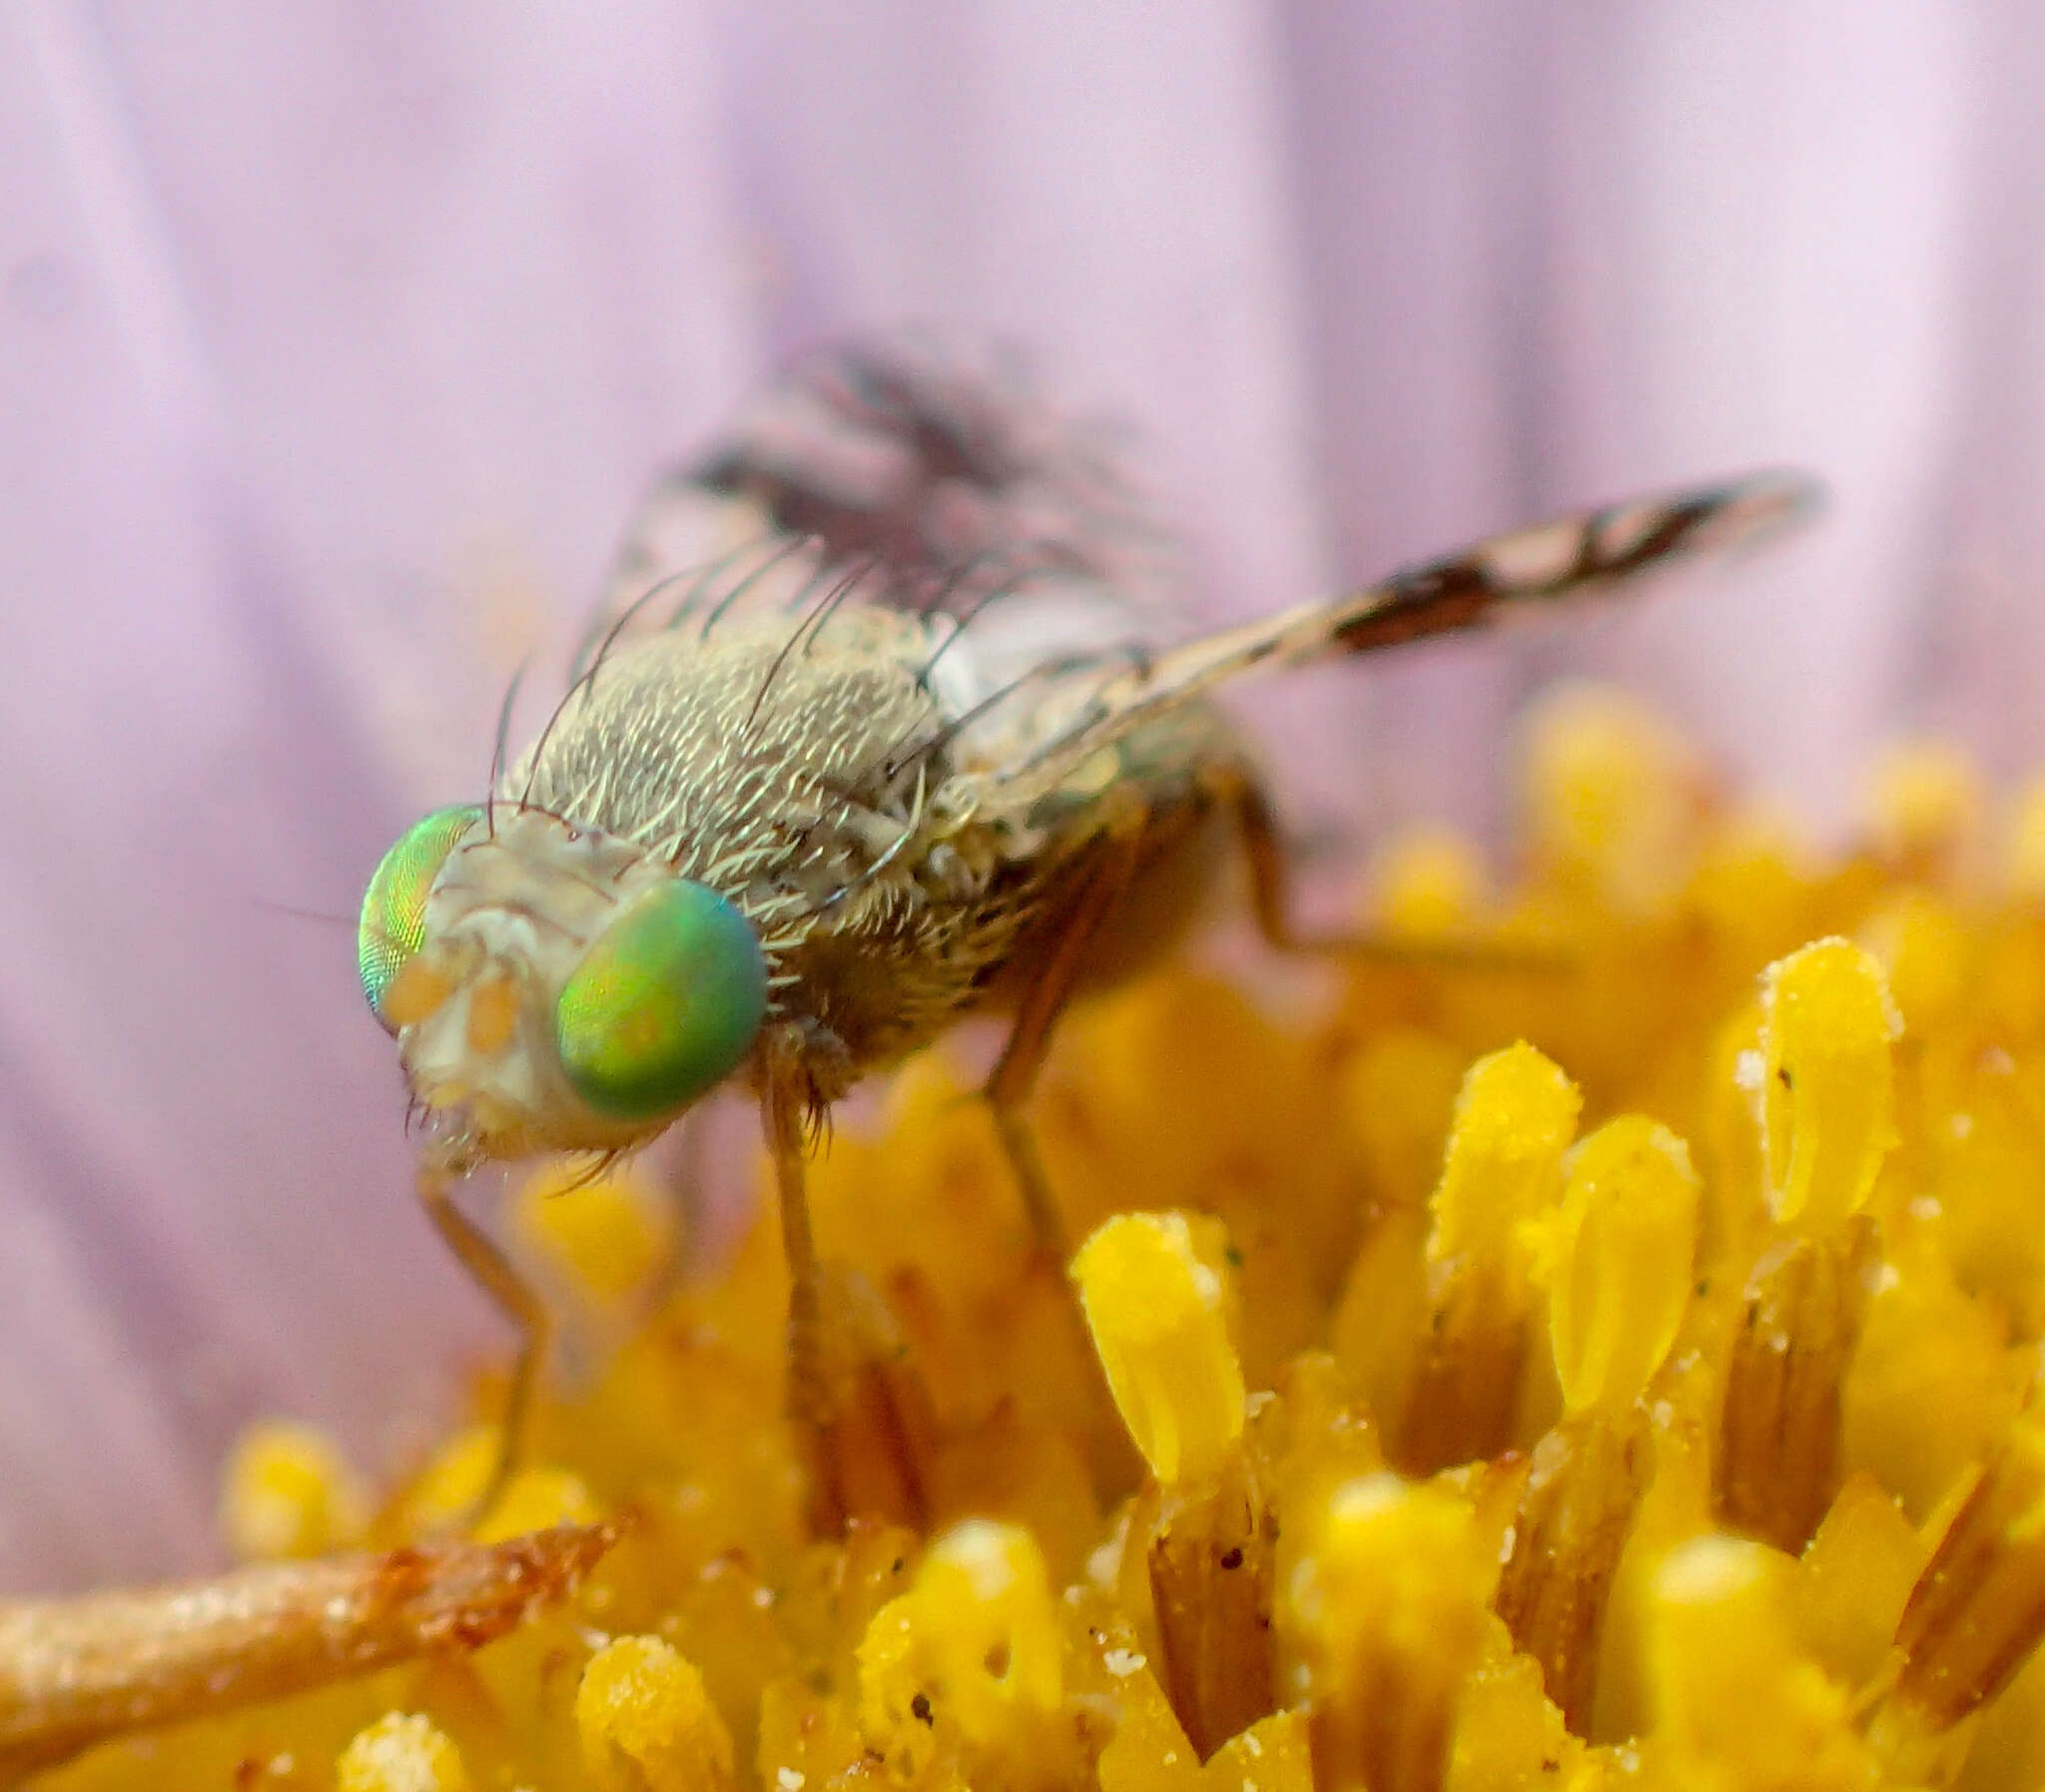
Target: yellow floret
[[972, 1650], [1618, 1260], [1613, 795], [288, 1492], [607, 1237], [1975, 1612], [1740, 1705], [400, 1753], [2024, 847], [1827, 1082], [1514, 1120], [1154, 1287], [1385, 1617], [1926, 804], [1426, 883], [1704, 1453], [446, 1489], [646, 1722], [538, 1498], [1854, 1577], [1926, 955]]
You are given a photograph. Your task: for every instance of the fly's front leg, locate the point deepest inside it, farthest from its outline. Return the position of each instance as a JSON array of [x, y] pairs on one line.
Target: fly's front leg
[[812, 1400], [515, 1298], [809, 1390], [859, 1409]]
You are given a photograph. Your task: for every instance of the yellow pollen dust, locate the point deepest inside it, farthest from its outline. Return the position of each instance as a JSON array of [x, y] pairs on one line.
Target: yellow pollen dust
[[646, 1722], [400, 1753]]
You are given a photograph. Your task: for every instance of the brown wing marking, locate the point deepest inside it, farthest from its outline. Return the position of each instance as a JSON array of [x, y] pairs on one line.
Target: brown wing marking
[[1476, 586]]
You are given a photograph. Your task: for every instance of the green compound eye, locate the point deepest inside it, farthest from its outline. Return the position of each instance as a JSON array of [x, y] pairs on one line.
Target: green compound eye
[[393, 923], [664, 1004]]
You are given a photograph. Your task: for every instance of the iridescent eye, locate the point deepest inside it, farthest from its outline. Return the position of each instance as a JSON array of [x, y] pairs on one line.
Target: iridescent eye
[[393, 923], [664, 1004]]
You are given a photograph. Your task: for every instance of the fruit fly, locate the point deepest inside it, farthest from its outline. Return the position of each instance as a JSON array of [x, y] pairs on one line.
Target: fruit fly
[[872, 737]]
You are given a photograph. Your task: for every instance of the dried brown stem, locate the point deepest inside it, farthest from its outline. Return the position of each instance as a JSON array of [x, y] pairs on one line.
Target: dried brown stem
[[78, 1671]]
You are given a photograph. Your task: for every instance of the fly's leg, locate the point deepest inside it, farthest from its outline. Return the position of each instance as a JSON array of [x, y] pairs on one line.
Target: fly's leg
[[1014, 1072], [860, 1409], [809, 1389], [515, 1298], [1008, 1090], [1270, 881]]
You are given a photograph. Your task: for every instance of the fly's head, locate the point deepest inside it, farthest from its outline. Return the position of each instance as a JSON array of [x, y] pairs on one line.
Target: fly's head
[[552, 988]]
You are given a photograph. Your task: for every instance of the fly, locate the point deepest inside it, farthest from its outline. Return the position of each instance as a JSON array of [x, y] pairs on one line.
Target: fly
[[872, 738]]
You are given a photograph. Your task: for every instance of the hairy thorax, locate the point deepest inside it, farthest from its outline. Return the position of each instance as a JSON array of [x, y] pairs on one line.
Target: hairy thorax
[[811, 779]]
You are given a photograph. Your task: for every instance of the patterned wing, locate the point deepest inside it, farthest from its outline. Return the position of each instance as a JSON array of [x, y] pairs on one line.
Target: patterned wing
[[1479, 586], [910, 473]]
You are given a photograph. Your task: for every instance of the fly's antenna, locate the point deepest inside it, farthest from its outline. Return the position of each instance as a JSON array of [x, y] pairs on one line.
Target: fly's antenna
[[819, 613], [498, 751]]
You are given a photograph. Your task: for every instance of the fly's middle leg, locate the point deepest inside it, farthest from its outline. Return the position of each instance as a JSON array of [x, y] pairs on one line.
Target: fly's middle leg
[[1014, 1072]]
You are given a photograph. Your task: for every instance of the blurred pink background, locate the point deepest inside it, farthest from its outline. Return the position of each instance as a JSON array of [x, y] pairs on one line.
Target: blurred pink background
[[335, 339]]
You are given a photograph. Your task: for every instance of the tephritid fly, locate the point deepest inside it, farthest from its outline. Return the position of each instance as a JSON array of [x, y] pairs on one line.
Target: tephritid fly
[[868, 740]]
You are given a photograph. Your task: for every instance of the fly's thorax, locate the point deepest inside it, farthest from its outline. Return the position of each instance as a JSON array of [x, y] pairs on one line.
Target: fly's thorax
[[747, 754], [533, 1015], [807, 776]]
